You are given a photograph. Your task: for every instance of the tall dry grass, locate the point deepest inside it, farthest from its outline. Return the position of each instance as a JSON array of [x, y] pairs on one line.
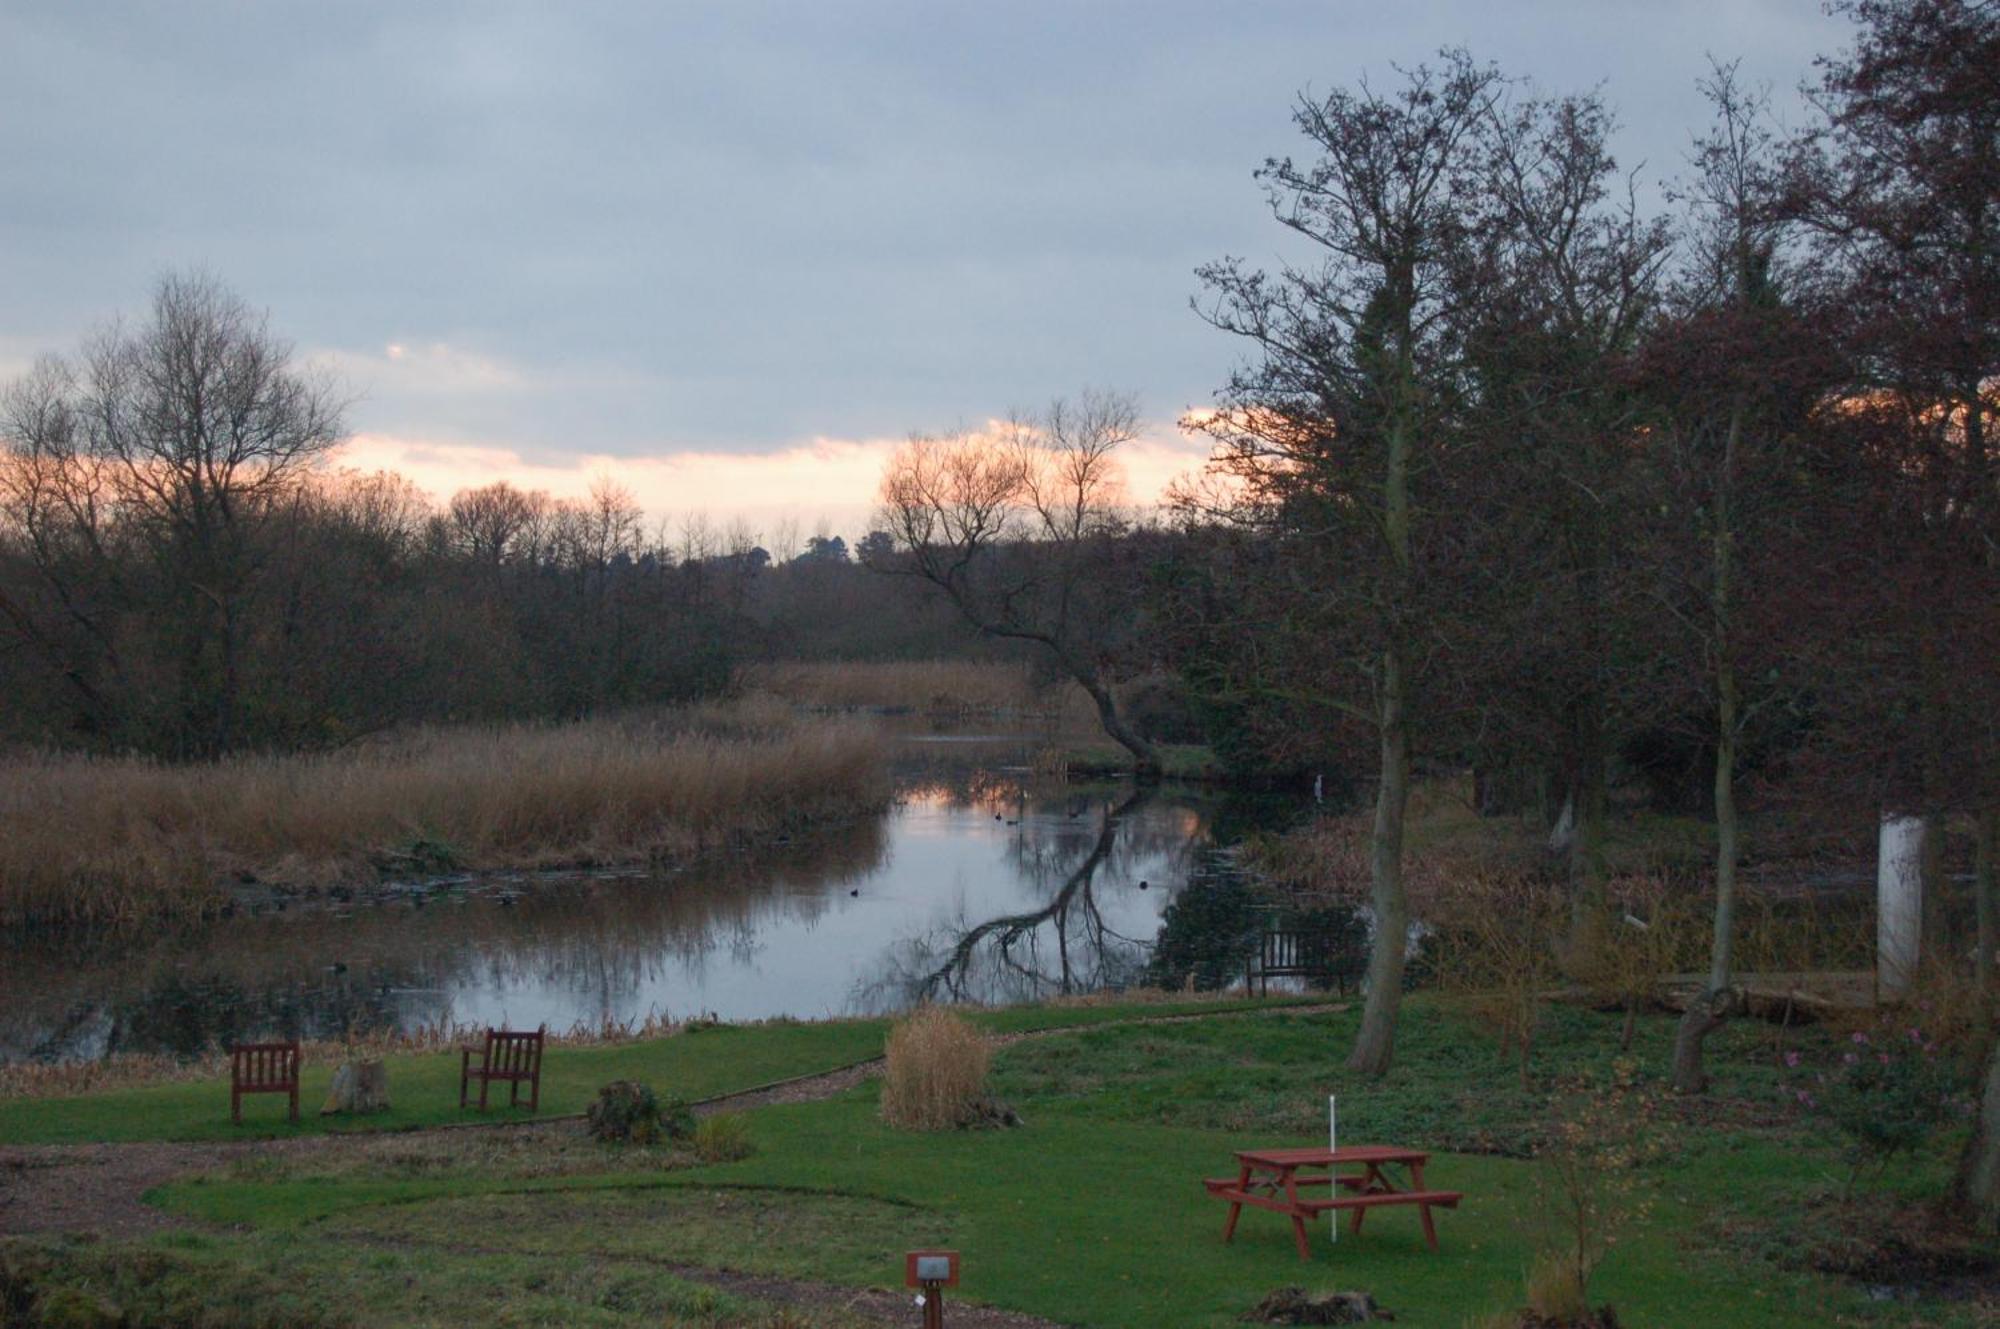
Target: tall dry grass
[[949, 687], [935, 1073], [121, 840]]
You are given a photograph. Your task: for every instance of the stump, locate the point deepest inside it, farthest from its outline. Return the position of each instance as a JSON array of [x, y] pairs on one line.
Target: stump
[[359, 1087]]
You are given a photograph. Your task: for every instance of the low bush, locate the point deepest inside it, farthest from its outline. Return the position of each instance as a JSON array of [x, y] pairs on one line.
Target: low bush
[[1890, 1090], [935, 1078], [628, 1112]]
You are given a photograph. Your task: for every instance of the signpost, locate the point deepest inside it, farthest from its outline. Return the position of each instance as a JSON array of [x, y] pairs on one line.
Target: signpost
[[931, 1272]]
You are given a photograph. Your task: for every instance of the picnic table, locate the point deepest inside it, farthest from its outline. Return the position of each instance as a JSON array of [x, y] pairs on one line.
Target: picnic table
[[1273, 1178]]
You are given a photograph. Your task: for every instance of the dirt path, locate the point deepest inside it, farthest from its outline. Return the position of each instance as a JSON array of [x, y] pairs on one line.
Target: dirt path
[[99, 1188]]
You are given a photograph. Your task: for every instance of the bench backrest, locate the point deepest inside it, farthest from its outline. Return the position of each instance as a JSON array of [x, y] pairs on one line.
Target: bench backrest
[[1305, 952], [512, 1052], [264, 1065]]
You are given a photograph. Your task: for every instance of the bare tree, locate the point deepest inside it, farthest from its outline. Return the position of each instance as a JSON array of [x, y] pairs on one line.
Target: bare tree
[[191, 433], [1017, 528], [1333, 428]]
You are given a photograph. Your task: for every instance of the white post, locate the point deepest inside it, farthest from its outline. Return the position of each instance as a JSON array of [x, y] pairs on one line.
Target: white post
[[1899, 902], [1332, 1143]]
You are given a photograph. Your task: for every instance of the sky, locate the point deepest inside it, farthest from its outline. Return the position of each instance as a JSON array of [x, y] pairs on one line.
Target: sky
[[729, 254]]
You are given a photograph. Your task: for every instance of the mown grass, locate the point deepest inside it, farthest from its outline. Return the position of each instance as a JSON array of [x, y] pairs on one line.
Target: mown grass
[[701, 1062], [278, 1281], [105, 841], [1093, 1213]]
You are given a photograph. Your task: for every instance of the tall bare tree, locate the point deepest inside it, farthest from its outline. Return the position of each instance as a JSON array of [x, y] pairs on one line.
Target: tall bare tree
[[191, 432], [1018, 527], [1336, 422]]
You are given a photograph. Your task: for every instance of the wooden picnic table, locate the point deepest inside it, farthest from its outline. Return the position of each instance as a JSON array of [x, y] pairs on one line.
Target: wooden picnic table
[[1272, 1179]]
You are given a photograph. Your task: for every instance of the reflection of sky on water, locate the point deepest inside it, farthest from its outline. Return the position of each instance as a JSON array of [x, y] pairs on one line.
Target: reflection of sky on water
[[826, 927]]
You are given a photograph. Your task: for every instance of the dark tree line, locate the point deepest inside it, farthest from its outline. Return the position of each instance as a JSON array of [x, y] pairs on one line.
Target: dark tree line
[[181, 573], [1517, 478]]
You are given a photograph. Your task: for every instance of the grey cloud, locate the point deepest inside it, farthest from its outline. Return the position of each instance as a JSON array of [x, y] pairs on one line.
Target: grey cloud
[[734, 225]]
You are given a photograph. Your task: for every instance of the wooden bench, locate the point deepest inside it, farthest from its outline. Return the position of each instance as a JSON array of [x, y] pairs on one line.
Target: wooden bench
[[510, 1055], [1308, 953], [263, 1068]]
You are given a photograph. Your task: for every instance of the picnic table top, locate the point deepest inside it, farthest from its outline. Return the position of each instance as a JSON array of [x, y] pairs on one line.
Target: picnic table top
[[1358, 1153]]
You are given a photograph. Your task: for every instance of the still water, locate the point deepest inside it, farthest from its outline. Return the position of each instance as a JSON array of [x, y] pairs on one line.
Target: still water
[[975, 886]]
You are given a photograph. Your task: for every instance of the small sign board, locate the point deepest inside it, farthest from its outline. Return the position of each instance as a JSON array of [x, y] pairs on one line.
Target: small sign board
[[930, 1269]]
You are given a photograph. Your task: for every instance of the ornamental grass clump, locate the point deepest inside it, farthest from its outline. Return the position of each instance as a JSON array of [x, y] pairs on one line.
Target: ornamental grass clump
[[935, 1078]]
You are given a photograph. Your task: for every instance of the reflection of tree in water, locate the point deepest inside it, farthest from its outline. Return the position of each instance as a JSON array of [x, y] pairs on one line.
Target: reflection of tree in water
[[1209, 932], [320, 972], [1060, 947]]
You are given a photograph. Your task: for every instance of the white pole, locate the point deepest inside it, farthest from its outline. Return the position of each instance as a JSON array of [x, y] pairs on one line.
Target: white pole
[[1332, 1143], [1899, 902]]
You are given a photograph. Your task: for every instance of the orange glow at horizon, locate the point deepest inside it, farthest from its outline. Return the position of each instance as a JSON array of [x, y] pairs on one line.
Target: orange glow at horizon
[[834, 480]]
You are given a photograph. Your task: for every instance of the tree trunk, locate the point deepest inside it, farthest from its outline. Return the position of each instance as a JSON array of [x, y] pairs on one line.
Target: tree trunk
[[1589, 910], [1975, 1191], [1145, 758], [1705, 1015], [1982, 887], [1375, 1047]]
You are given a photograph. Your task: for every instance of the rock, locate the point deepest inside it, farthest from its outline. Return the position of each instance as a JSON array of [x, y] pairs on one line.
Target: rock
[[1295, 1305], [359, 1087]]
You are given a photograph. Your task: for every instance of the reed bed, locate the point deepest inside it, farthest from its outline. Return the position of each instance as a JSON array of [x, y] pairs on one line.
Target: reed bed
[[953, 687], [107, 841]]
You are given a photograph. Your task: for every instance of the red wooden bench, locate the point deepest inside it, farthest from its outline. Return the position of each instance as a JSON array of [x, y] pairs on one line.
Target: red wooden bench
[[1270, 1179], [510, 1055], [263, 1068]]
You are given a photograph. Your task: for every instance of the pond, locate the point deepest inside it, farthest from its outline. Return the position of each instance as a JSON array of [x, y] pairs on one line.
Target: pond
[[979, 884]]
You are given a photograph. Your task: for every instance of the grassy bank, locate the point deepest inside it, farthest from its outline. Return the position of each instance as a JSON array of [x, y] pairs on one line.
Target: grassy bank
[[1090, 1214], [698, 1062], [99, 841]]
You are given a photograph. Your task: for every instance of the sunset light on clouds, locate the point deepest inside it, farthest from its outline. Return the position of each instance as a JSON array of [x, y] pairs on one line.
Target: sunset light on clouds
[[824, 479]]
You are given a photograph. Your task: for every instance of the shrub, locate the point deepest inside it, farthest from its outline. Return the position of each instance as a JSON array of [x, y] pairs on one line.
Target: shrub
[[1889, 1091], [629, 1112], [936, 1072], [723, 1138], [1589, 1184], [1496, 945]]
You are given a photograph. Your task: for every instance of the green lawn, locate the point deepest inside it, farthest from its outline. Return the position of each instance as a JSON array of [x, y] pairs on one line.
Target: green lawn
[[1090, 1214], [701, 1063]]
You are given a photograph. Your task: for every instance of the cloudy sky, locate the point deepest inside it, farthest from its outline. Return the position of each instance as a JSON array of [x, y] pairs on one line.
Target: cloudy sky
[[729, 252]]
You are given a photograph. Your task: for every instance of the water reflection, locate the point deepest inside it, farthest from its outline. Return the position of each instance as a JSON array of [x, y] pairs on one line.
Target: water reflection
[[979, 884]]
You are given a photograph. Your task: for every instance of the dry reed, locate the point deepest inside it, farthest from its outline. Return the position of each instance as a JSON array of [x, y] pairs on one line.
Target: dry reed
[[959, 688], [935, 1072], [107, 841]]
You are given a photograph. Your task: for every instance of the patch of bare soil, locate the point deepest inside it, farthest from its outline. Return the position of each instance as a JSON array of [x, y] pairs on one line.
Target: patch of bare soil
[[1903, 1253], [97, 1188], [874, 1306], [1295, 1305]]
